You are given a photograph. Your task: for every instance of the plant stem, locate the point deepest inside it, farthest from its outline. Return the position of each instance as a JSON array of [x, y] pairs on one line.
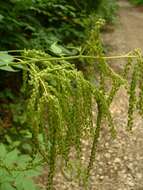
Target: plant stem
[[83, 57], [52, 160], [95, 140]]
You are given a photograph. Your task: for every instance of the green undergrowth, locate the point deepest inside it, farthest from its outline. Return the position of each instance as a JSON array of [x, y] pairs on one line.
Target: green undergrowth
[[38, 24], [137, 2], [107, 10], [16, 170]]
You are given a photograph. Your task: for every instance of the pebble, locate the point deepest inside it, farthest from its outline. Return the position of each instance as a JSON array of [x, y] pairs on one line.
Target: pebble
[[117, 160], [101, 177], [124, 176], [107, 144], [107, 155], [110, 151], [139, 175], [130, 166], [100, 171], [130, 183], [101, 163], [125, 158], [115, 168]]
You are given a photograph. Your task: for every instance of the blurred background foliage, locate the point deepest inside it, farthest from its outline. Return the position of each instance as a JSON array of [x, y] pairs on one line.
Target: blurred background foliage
[[137, 2], [38, 23]]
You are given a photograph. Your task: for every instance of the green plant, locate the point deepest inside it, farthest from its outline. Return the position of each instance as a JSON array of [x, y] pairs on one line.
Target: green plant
[[16, 170], [107, 10], [59, 104], [38, 24], [25, 24], [59, 101]]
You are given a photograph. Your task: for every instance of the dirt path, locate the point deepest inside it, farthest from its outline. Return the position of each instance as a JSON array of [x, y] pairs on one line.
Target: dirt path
[[119, 164], [128, 33]]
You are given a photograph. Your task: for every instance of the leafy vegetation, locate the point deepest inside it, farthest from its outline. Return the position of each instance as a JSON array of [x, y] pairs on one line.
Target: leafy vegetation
[[39, 24], [16, 170], [137, 2], [55, 47]]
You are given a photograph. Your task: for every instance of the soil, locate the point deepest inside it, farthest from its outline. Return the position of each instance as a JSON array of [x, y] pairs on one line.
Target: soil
[[119, 161]]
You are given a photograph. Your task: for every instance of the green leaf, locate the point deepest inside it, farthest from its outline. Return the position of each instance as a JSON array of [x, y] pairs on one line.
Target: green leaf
[[8, 68], [18, 66], [7, 178], [5, 58], [28, 184], [27, 147], [3, 173], [23, 160], [3, 151], [15, 144], [1, 17], [8, 138], [55, 48], [34, 172], [11, 157], [6, 186], [19, 179]]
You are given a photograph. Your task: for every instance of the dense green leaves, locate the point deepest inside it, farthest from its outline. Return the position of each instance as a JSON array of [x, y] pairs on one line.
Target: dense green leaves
[[16, 170], [6, 186], [35, 24], [23, 22]]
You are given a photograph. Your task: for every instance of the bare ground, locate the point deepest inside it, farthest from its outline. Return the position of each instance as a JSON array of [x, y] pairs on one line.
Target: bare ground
[[128, 32], [119, 161]]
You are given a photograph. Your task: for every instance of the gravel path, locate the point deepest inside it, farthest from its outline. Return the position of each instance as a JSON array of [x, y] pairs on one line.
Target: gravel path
[[120, 161], [128, 32]]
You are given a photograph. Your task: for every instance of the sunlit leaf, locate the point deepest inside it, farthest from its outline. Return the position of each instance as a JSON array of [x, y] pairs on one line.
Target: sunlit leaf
[[55, 48], [5, 58], [3, 151], [11, 157]]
